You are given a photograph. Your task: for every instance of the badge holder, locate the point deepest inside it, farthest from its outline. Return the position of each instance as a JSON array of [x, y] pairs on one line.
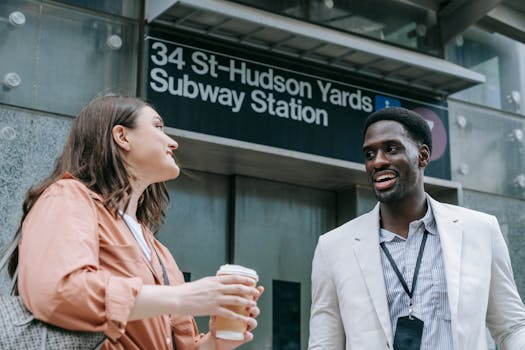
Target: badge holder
[[409, 331]]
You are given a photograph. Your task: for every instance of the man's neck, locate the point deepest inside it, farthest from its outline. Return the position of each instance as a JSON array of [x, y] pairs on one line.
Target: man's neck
[[396, 217]]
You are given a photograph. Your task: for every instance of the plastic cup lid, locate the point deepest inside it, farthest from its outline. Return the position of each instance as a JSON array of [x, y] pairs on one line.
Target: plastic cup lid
[[230, 269]]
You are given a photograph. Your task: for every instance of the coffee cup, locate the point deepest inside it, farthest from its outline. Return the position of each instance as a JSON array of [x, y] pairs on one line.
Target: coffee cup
[[227, 328]]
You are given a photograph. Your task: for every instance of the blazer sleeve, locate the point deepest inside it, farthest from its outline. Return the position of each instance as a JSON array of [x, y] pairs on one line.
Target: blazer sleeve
[[506, 312], [326, 327]]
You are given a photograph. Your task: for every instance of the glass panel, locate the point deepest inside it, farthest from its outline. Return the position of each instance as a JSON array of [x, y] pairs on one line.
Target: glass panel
[[511, 216], [18, 42], [81, 56], [126, 8], [487, 150], [411, 26], [497, 57], [65, 57], [196, 226], [276, 230]]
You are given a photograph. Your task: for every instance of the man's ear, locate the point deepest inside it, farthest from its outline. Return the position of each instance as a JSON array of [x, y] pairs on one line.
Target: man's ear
[[120, 136], [424, 156]]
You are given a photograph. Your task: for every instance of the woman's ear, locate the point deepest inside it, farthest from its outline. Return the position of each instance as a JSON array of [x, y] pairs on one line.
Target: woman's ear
[[120, 136], [424, 156]]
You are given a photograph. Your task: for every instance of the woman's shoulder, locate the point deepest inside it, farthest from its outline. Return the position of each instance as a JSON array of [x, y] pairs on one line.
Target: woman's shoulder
[[69, 186], [66, 197]]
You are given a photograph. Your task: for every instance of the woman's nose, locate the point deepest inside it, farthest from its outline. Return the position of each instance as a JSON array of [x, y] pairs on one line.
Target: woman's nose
[[173, 144]]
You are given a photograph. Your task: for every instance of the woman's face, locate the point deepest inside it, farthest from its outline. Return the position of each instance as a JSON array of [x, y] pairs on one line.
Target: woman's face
[[150, 154]]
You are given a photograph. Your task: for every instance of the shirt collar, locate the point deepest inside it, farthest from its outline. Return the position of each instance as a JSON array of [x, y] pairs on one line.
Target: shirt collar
[[388, 236], [427, 222]]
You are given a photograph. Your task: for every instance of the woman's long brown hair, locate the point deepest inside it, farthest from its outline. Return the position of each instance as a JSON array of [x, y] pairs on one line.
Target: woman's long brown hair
[[91, 155]]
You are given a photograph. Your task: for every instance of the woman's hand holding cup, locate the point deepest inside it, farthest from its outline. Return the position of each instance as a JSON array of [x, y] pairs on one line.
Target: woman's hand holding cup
[[232, 328]]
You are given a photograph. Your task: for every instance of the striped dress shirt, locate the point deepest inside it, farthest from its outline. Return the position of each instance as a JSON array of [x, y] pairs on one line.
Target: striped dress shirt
[[430, 300]]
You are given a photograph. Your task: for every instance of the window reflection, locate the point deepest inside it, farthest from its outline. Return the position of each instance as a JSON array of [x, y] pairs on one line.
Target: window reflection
[[126, 8], [393, 21], [497, 57], [62, 56]]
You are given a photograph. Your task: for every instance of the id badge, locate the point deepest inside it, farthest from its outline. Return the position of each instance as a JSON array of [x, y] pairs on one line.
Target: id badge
[[408, 333]]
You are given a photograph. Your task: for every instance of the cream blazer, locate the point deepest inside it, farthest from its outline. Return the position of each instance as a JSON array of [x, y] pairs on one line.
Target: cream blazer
[[349, 304]]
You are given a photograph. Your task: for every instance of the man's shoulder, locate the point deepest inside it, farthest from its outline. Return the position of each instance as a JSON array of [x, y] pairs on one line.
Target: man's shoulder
[[350, 228], [460, 212]]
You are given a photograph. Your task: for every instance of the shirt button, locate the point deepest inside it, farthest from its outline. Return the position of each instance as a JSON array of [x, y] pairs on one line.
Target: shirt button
[[168, 340]]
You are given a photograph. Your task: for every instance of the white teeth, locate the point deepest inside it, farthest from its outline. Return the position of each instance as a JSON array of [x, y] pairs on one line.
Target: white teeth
[[384, 177]]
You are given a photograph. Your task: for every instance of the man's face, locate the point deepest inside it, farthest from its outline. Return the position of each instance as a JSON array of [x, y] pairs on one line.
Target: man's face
[[394, 162]]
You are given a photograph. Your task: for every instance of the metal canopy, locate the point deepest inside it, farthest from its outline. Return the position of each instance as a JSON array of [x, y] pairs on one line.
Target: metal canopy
[[252, 27], [506, 17], [458, 15], [506, 20]]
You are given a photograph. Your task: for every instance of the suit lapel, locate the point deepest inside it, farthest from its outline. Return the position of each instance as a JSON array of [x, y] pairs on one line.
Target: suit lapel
[[366, 251], [451, 236]]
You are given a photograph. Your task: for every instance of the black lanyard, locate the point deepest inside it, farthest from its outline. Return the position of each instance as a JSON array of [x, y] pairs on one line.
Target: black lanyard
[[164, 272], [410, 293]]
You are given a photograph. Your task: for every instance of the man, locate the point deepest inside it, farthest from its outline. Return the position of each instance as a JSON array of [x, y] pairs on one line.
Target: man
[[464, 277]]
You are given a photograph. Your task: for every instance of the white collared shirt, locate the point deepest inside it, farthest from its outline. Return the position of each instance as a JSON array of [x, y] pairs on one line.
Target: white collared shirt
[[136, 230]]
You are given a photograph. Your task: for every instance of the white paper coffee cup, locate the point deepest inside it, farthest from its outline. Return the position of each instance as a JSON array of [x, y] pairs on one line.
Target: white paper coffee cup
[[227, 328]]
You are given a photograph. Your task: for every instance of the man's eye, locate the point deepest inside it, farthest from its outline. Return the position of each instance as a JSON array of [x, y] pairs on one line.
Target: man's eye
[[161, 127], [369, 155], [391, 149]]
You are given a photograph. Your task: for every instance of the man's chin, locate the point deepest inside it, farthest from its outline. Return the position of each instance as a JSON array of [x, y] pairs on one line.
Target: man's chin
[[386, 196]]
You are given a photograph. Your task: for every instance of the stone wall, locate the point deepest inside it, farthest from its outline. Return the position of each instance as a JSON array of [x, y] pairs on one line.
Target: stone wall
[[29, 144]]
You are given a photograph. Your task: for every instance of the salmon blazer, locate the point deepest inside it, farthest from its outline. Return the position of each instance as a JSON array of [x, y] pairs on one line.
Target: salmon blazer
[[349, 303]]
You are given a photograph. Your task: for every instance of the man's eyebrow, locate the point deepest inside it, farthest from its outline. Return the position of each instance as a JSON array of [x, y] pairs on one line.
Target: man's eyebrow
[[385, 142]]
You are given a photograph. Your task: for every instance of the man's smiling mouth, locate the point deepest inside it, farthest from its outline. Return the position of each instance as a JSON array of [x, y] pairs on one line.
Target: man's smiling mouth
[[385, 180]]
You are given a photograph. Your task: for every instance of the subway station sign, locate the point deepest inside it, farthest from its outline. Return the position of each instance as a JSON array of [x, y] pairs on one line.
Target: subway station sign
[[232, 96]]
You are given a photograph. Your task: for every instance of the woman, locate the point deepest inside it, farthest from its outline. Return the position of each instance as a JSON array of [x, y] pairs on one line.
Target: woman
[[87, 257]]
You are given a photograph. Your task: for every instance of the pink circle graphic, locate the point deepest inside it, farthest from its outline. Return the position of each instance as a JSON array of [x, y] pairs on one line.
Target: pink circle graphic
[[439, 134]]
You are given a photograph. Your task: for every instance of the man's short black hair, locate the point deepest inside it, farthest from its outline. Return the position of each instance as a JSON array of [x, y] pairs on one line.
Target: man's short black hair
[[413, 123]]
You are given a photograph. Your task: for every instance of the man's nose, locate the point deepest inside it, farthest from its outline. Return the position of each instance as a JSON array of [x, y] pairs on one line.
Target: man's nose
[[380, 160]]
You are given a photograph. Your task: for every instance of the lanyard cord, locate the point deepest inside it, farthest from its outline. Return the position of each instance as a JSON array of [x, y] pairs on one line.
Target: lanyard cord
[[410, 293], [164, 272], [164, 276]]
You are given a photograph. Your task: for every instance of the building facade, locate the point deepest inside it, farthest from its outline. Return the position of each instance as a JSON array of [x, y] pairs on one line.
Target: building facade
[[267, 100]]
